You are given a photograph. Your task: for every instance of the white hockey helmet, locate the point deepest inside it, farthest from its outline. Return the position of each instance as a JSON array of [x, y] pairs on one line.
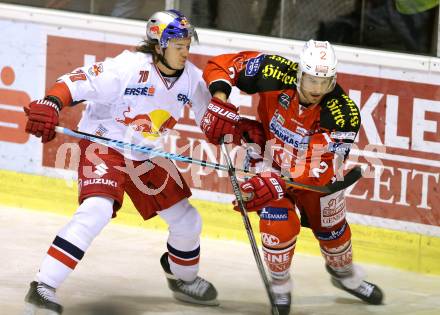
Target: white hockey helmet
[[165, 25], [318, 59]]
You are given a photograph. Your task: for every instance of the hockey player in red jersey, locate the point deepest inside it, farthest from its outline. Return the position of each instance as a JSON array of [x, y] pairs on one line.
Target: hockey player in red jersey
[[141, 95], [309, 123]]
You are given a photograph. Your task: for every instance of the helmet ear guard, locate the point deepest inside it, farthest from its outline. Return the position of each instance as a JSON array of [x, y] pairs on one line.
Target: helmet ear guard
[[318, 59], [164, 26]]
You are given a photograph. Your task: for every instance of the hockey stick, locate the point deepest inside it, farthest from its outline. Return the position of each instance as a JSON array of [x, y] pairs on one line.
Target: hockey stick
[[248, 226], [352, 176]]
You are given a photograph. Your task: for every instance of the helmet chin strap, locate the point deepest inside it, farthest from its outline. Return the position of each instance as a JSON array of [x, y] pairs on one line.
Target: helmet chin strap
[[164, 61]]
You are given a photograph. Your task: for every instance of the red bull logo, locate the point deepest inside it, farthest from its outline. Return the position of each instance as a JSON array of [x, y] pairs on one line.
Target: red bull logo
[[184, 22], [96, 69], [150, 125], [158, 29], [155, 29]]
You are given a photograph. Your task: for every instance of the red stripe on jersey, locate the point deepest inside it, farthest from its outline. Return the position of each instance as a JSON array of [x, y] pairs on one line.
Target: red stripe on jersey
[[61, 257], [182, 262]]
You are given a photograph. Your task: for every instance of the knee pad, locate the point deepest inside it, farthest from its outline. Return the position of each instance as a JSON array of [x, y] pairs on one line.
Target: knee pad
[[88, 221], [334, 238], [336, 246], [339, 258]]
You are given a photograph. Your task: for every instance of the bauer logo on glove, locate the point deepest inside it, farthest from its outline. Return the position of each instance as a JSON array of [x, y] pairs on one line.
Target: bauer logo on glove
[[277, 187], [223, 112], [42, 118], [220, 119], [258, 191]]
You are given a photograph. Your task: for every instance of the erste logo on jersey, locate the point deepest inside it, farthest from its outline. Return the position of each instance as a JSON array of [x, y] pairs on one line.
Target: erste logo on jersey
[[288, 136], [144, 90]]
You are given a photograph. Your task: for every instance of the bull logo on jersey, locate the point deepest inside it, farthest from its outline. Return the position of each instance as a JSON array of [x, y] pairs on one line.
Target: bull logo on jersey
[[150, 125], [96, 69]]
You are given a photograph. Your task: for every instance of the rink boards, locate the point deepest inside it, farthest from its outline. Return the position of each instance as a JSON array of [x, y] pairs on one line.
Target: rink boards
[[395, 208], [404, 250]]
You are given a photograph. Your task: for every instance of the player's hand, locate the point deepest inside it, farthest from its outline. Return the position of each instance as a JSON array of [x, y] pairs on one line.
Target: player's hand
[[42, 118], [259, 190], [252, 132], [220, 119]]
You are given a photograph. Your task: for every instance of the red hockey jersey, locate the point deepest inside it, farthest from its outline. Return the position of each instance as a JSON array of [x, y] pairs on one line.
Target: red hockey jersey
[[305, 140]]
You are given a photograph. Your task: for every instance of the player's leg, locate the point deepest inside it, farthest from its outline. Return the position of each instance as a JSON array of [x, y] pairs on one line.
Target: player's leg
[[279, 227], [164, 191], [326, 217], [97, 195], [181, 262]]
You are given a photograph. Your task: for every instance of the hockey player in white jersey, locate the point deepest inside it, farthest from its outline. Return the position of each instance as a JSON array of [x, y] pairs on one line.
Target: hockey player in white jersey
[[138, 95]]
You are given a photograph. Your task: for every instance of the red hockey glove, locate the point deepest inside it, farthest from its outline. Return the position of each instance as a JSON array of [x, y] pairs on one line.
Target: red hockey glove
[[260, 190], [252, 131], [42, 118], [220, 119]]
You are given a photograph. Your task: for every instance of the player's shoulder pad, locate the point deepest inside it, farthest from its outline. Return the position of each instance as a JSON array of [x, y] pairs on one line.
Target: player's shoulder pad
[[278, 67], [339, 112], [192, 69], [267, 73], [126, 60], [127, 55]]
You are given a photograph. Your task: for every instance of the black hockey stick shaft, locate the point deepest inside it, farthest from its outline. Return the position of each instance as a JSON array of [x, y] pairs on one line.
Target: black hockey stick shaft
[[349, 179], [248, 226]]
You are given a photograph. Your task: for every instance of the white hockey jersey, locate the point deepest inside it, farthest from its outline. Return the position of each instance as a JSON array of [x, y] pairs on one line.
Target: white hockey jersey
[[129, 100]]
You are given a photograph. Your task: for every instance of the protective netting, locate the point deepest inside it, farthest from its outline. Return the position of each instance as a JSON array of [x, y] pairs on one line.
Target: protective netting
[[299, 19], [376, 24], [366, 23]]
